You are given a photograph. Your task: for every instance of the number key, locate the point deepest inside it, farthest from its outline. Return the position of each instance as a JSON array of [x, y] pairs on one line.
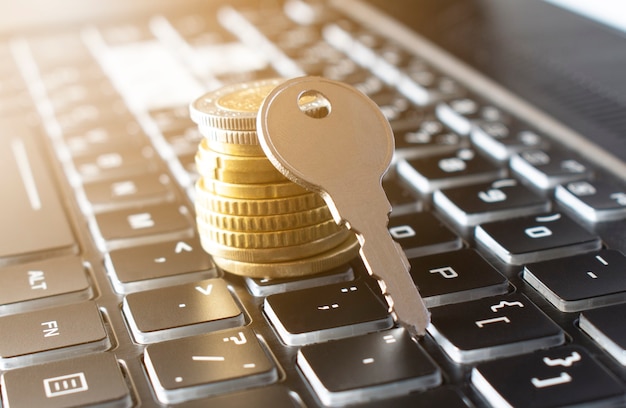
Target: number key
[[535, 238], [498, 200]]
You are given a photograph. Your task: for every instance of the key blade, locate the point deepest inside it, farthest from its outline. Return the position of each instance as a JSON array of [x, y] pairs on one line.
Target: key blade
[[384, 258]]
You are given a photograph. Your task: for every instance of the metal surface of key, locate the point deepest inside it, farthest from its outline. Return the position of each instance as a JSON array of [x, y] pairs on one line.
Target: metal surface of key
[[332, 139]]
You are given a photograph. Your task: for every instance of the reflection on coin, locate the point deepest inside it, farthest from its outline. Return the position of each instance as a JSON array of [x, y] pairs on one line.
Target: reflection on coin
[[236, 149], [250, 207], [265, 222], [239, 137], [268, 239], [279, 254], [210, 159], [321, 262], [253, 191], [264, 176], [232, 107]]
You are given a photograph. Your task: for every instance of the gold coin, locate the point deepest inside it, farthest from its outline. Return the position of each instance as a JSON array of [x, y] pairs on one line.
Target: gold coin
[[333, 258], [208, 170], [254, 191], [251, 207], [236, 149], [233, 107], [278, 254], [239, 137], [211, 159], [265, 223], [267, 239]]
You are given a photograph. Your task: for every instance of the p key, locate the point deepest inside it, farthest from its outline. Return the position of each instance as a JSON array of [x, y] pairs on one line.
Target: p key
[[332, 139]]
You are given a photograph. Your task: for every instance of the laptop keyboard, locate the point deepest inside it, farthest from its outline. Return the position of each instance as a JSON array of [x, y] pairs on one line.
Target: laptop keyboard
[[107, 298]]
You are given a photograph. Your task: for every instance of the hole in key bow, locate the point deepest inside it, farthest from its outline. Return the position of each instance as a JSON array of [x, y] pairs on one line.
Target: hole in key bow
[[314, 104]]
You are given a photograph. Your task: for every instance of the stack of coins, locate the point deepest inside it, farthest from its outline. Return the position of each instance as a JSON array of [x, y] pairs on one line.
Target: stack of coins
[[251, 219]]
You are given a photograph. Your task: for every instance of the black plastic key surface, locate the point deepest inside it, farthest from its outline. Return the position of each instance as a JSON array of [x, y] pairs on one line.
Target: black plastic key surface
[[45, 334], [559, 377], [442, 396], [43, 283], [32, 219], [462, 167], [176, 311], [94, 380], [275, 396], [454, 277], [364, 368], [594, 200], [216, 363], [545, 169], [501, 140], [326, 313], [145, 224], [606, 327], [535, 238], [156, 265], [492, 327], [128, 191], [580, 282], [421, 233], [497, 200]]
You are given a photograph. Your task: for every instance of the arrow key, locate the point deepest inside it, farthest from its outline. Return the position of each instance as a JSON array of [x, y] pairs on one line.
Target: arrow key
[[183, 310]]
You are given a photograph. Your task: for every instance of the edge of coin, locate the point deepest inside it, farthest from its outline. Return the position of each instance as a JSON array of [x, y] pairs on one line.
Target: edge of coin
[[251, 207], [337, 256], [267, 239], [254, 191], [209, 110], [279, 254]]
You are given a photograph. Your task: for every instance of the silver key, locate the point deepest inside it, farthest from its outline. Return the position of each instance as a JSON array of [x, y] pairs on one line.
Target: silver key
[[332, 139]]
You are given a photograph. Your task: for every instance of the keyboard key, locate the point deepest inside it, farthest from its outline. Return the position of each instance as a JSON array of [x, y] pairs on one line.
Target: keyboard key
[[580, 282], [501, 140], [326, 313], [100, 138], [606, 327], [157, 265], [462, 114], [145, 224], [454, 277], [275, 396], [183, 310], [264, 287], [47, 334], [422, 233], [116, 162], [596, 201], [559, 377], [195, 367], [535, 238], [94, 380], [439, 397], [33, 219], [424, 86], [43, 283], [128, 191], [494, 201], [491, 328], [430, 138], [545, 169], [370, 367], [463, 167]]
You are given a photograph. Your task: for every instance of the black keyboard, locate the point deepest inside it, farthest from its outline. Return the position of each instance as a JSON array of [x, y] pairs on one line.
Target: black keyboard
[[107, 298]]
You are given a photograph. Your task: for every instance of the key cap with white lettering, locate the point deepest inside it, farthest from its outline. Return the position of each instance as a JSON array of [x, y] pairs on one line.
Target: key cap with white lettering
[[330, 138]]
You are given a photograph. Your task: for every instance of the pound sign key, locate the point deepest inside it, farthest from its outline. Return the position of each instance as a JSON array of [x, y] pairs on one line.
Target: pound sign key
[[330, 138]]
